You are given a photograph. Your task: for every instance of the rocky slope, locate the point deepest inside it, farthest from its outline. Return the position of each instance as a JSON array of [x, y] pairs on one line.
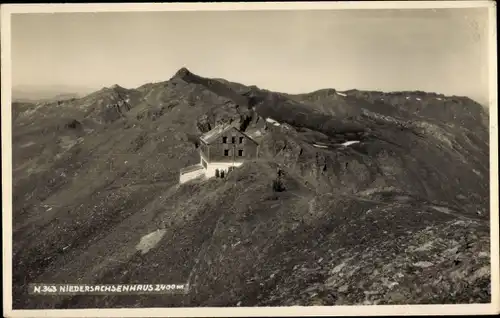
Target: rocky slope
[[398, 215]]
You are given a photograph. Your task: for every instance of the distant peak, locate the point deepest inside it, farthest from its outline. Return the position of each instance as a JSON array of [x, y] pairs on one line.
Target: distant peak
[[116, 86], [182, 72]]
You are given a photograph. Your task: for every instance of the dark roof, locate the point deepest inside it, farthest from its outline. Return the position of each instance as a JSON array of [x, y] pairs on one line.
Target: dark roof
[[213, 134]]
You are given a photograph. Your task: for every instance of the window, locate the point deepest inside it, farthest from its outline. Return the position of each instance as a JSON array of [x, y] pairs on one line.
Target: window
[[224, 140], [241, 140], [240, 153], [233, 140], [226, 152]]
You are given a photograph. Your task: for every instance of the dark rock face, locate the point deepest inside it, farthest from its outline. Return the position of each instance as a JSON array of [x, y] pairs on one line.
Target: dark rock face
[[74, 124], [182, 72], [385, 201]]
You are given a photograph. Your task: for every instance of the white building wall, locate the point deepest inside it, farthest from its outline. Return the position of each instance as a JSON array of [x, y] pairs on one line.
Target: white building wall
[[191, 175], [211, 167], [209, 172]]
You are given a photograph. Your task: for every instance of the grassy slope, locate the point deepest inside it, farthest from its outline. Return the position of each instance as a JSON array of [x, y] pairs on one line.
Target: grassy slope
[[82, 204]]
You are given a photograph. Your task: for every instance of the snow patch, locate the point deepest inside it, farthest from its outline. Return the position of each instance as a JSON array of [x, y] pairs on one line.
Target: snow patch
[[272, 121], [320, 146], [341, 94], [439, 98], [150, 240], [351, 142], [418, 98], [31, 143], [423, 264]]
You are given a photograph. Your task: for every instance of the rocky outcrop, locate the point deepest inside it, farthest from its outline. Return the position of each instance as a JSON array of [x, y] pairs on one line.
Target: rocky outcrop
[[386, 197], [73, 124]]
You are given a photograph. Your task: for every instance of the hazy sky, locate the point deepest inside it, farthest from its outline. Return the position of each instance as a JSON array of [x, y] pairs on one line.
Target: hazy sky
[[443, 50]]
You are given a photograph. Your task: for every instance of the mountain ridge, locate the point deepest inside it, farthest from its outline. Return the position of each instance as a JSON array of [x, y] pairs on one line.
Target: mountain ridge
[[96, 174], [185, 72]]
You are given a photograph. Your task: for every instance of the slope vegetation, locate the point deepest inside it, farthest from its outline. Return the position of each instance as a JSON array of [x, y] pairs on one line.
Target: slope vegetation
[[386, 197]]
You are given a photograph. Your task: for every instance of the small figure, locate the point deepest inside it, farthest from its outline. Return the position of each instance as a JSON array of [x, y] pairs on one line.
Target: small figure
[[280, 172]]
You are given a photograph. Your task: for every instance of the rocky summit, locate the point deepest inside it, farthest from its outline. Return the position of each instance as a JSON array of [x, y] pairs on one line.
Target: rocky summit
[[384, 197]]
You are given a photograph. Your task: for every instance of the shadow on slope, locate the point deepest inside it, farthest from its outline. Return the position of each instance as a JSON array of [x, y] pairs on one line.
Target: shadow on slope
[[83, 199], [238, 243]]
